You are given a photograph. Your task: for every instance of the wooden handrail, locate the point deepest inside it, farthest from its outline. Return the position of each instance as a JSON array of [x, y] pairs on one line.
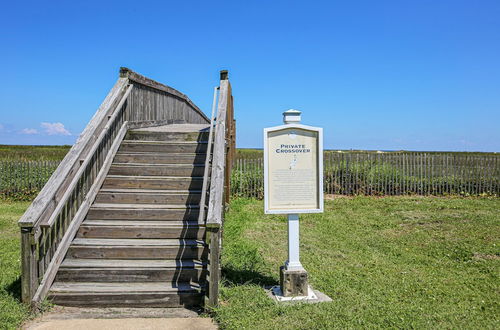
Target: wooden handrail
[[216, 203], [49, 241], [219, 185], [208, 160], [48, 198], [47, 223], [50, 221]]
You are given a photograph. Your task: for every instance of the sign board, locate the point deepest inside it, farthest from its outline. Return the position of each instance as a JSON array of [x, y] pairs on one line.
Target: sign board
[[293, 169]]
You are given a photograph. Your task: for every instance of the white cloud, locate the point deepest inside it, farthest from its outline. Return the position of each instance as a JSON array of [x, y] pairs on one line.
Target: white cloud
[[29, 131], [55, 129], [1, 127]]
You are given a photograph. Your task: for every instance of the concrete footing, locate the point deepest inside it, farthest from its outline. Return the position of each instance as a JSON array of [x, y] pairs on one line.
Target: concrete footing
[[314, 296]]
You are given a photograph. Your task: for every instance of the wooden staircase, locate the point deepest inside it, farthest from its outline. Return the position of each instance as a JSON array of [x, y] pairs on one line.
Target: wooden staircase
[[133, 214], [142, 243]]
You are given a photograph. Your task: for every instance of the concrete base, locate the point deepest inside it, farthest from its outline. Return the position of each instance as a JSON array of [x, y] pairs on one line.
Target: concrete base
[[313, 297], [293, 282]]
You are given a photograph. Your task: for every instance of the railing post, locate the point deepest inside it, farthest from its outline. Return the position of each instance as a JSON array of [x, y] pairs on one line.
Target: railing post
[[214, 237], [29, 278], [224, 75], [219, 187]]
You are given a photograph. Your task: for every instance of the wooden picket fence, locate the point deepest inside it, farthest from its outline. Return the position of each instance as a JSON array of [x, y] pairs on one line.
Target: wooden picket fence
[[388, 173], [345, 173], [24, 179]]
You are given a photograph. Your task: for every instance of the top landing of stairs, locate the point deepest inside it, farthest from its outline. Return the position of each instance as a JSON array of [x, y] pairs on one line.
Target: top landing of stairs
[[170, 133], [175, 128]]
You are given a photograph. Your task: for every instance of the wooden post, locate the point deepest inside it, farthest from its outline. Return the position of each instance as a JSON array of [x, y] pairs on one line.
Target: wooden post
[[219, 187], [29, 273], [224, 75], [214, 237]]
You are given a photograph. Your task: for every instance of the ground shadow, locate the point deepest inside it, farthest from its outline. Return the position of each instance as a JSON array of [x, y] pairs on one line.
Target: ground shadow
[[239, 277], [14, 289]]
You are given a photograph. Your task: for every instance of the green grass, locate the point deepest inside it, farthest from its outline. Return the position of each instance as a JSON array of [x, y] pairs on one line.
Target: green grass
[[393, 262], [12, 311]]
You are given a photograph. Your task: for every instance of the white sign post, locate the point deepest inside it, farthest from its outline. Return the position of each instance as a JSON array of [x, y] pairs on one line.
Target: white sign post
[[293, 184]]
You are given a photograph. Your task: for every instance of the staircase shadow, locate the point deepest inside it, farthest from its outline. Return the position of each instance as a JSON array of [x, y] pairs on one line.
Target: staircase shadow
[[187, 275], [236, 277], [14, 289]]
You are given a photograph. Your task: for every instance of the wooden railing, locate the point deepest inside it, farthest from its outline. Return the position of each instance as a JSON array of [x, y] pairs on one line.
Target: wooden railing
[[223, 151], [208, 163], [154, 104], [52, 220], [49, 224]]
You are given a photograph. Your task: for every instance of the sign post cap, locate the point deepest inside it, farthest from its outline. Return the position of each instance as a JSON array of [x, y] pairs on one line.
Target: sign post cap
[[291, 116]]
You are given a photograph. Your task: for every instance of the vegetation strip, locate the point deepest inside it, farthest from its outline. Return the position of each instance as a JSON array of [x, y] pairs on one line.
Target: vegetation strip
[[392, 262], [25, 169]]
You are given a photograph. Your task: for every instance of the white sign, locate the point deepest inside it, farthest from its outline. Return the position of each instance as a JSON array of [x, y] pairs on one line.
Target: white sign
[[293, 169]]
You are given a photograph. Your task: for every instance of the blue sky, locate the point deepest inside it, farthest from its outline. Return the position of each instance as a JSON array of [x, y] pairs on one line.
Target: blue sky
[[416, 75]]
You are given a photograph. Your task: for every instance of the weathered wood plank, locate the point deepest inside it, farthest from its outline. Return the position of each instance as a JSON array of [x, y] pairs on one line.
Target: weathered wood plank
[[153, 182], [215, 208], [160, 158], [114, 213], [102, 242], [208, 160], [137, 252], [141, 196], [163, 147], [133, 229], [153, 300], [29, 279], [137, 263], [214, 237], [157, 169], [137, 135], [150, 294], [126, 274]]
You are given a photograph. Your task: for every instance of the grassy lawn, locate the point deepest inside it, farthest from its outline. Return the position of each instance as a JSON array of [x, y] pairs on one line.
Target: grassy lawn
[[405, 262], [12, 312], [399, 262]]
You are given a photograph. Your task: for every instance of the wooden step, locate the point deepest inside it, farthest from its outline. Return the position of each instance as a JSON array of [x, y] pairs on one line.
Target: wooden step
[[166, 136], [100, 248], [129, 294], [111, 211], [163, 147], [136, 169], [119, 270], [146, 196], [153, 182], [160, 158], [141, 229]]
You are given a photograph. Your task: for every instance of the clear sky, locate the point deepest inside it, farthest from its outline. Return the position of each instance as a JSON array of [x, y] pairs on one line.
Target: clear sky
[[387, 75]]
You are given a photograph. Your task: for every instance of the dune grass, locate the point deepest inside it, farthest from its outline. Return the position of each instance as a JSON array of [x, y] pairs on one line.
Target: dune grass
[[392, 262], [27, 153]]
